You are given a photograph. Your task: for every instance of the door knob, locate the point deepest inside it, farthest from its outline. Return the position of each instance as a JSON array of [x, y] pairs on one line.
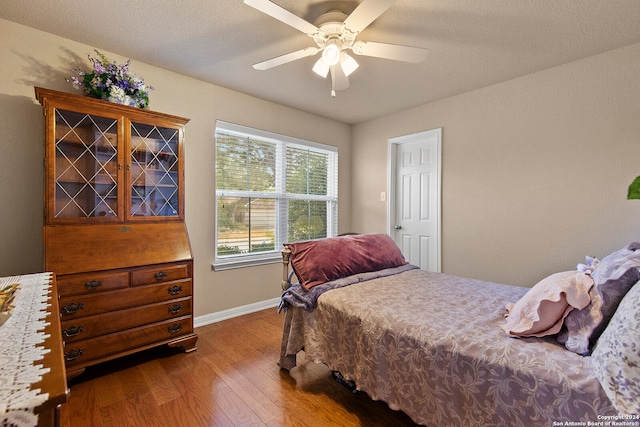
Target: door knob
[[398, 227]]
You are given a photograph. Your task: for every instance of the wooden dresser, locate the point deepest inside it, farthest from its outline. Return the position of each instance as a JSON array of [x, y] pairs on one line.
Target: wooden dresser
[[114, 231]]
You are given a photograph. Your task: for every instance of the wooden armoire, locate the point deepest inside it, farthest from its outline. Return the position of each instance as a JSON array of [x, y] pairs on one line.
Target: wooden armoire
[[114, 230]]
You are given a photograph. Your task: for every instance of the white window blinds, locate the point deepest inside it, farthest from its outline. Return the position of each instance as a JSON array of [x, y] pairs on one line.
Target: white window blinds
[[270, 189]]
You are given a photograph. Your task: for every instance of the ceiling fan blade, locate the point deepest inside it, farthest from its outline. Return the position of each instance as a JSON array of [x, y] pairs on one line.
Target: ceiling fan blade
[[390, 51], [283, 15], [283, 59], [339, 81], [366, 13]]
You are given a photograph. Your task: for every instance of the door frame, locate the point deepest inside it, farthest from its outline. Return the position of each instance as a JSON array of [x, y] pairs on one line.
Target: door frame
[[391, 182]]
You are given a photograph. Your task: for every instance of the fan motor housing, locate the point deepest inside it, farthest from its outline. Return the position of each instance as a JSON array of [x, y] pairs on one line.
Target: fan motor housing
[[333, 16], [331, 27]]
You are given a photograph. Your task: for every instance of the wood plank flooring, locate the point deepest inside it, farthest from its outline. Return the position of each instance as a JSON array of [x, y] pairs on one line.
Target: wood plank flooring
[[232, 379]]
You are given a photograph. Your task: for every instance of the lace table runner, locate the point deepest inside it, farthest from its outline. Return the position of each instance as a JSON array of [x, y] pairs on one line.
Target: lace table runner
[[21, 338]]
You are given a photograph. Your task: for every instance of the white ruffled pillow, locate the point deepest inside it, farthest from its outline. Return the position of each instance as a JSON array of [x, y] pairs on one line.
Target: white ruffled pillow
[[543, 308]]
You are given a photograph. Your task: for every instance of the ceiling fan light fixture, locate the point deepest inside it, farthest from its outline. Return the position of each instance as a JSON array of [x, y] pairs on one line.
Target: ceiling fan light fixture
[[321, 68], [331, 53], [333, 33], [348, 64]]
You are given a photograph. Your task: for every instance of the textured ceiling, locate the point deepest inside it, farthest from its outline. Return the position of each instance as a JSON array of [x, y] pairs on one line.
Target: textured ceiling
[[471, 43]]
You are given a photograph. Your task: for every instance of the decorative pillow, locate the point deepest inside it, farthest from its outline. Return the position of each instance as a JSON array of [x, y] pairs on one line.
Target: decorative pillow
[[542, 309], [319, 261], [616, 356], [621, 253], [613, 277]]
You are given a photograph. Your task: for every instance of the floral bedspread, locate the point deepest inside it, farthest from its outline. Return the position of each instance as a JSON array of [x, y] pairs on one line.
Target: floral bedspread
[[429, 344]]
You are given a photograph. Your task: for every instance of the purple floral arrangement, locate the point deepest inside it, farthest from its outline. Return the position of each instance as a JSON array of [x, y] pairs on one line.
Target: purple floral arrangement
[[112, 82]]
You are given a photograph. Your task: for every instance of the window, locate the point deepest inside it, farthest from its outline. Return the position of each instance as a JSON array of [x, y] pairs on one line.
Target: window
[[270, 189]]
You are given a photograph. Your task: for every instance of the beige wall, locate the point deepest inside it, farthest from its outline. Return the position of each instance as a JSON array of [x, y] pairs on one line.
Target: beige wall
[[535, 170], [31, 58]]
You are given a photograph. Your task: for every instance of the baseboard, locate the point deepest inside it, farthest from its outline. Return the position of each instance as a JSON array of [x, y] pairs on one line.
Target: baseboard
[[235, 312]]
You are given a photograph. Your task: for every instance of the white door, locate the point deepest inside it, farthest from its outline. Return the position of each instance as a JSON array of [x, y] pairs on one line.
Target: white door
[[414, 195]]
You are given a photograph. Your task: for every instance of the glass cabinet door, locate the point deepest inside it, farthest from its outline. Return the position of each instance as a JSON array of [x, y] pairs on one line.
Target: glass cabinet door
[[86, 166], [154, 171]]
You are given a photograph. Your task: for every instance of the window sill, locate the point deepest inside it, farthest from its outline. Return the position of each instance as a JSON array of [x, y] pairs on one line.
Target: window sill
[[241, 262]]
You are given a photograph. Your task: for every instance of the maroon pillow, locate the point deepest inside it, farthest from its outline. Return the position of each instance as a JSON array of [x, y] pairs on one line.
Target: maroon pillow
[[319, 261]]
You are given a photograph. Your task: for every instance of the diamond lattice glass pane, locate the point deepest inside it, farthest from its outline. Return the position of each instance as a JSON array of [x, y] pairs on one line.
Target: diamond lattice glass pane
[[86, 165], [154, 170]]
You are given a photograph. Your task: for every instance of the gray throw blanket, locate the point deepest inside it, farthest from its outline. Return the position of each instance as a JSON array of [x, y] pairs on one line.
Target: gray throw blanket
[[297, 296]]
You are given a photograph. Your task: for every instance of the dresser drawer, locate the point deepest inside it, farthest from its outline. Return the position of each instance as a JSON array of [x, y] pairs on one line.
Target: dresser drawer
[[88, 304], [159, 273], [82, 328], [83, 352], [92, 282]]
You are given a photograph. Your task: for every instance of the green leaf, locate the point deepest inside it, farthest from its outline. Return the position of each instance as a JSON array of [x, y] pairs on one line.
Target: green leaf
[[634, 189]]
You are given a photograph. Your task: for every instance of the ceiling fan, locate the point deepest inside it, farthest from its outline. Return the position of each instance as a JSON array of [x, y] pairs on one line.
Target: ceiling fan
[[334, 33]]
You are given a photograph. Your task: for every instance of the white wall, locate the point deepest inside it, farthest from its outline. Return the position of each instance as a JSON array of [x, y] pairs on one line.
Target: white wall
[[31, 58], [535, 170]]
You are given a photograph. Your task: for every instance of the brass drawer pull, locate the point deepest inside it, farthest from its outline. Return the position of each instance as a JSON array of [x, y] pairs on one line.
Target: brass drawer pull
[[72, 308], [72, 331], [175, 290], [73, 354], [175, 328], [160, 275], [93, 284], [176, 308]]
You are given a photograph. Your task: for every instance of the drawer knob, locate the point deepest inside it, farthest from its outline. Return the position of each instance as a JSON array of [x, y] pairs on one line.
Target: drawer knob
[[175, 290], [175, 328], [160, 275], [93, 284], [176, 308], [72, 331], [72, 308], [73, 354]]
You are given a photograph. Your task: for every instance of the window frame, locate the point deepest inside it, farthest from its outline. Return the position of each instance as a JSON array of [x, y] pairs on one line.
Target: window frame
[[280, 195]]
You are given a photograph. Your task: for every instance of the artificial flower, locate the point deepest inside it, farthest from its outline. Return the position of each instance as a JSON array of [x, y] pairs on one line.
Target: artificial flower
[[112, 82]]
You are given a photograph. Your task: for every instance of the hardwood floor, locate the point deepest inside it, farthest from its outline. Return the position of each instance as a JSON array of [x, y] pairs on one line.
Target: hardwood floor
[[231, 380]]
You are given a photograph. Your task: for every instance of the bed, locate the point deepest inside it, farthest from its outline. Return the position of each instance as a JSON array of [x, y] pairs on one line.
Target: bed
[[452, 351]]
